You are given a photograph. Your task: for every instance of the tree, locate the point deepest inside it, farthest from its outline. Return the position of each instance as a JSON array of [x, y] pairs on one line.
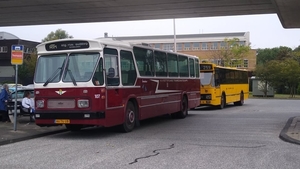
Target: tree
[[231, 53], [263, 72], [278, 73], [278, 53], [26, 70], [58, 34], [265, 55]]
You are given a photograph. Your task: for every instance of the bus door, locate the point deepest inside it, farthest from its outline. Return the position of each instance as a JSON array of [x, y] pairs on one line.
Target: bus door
[[112, 80]]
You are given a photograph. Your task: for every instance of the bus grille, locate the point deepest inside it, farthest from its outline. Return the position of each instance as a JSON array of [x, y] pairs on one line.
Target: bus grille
[[205, 96], [61, 103]]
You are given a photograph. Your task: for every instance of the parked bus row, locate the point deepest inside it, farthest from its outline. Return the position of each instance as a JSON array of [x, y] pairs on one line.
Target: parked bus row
[[104, 82]]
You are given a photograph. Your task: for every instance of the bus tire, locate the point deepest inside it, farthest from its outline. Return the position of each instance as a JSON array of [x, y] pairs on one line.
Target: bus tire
[[130, 118], [223, 101], [73, 127], [184, 108], [242, 100]]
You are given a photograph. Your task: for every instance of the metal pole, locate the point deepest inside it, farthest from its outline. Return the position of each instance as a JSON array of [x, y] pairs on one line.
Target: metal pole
[[16, 99], [175, 50]]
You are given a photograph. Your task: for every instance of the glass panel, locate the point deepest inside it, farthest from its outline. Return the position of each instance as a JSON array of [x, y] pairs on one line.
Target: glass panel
[[80, 67], [98, 78], [192, 67], [172, 65], [157, 46], [160, 63], [179, 46], [197, 65], [168, 46], [49, 67], [144, 60], [204, 46], [246, 63], [205, 78], [183, 66], [111, 66], [128, 70]]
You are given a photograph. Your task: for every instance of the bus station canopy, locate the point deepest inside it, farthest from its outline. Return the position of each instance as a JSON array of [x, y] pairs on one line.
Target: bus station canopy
[[32, 12]]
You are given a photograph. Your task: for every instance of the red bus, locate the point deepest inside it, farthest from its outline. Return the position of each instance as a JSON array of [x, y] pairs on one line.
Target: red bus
[[81, 83]]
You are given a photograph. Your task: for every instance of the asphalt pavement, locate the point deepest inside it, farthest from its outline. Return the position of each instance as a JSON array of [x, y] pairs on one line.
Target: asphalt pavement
[[25, 130], [28, 130]]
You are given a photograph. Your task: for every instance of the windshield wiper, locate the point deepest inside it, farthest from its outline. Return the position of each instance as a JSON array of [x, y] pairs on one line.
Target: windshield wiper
[[53, 76], [72, 77]]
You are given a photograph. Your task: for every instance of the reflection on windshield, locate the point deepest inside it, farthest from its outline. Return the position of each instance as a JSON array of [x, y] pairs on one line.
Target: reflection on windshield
[[80, 67], [206, 77]]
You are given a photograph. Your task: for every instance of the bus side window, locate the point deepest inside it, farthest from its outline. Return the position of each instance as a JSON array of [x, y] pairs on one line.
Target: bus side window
[[111, 66], [217, 77], [128, 70], [98, 79]]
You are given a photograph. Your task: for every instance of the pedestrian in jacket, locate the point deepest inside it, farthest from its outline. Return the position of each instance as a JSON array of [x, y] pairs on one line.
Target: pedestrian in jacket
[[4, 97]]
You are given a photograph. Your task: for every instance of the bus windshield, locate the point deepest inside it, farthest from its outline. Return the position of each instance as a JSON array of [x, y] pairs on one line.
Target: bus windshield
[[206, 78], [78, 68]]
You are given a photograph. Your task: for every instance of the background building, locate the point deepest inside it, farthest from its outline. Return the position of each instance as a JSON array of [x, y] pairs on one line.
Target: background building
[[205, 46], [7, 71]]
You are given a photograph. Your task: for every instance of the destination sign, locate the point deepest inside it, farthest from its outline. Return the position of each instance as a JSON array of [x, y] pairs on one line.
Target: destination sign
[[206, 67], [67, 45]]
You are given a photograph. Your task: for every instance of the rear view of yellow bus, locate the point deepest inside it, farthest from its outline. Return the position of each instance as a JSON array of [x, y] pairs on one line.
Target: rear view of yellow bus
[[223, 85]]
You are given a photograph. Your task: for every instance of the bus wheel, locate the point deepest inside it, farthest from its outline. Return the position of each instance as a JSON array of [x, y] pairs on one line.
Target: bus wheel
[[223, 101], [73, 127], [184, 108], [241, 102], [130, 118]]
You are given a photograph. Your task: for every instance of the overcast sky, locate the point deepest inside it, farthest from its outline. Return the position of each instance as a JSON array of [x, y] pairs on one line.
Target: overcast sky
[[266, 31]]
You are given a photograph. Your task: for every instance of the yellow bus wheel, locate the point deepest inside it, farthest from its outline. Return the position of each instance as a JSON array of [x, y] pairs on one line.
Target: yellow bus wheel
[[223, 101], [241, 102]]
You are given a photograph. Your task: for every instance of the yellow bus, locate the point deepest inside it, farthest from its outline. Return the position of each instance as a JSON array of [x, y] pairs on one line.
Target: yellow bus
[[223, 85]]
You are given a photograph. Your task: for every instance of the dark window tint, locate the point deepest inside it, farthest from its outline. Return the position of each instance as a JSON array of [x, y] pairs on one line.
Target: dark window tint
[[172, 65], [192, 67], [128, 70], [231, 76], [160, 63], [183, 66], [144, 60]]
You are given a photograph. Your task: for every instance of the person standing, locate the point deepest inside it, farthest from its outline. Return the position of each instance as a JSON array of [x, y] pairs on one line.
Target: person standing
[[4, 97]]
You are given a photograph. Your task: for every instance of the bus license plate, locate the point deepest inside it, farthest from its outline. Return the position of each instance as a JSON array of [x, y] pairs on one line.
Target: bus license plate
[[62, 121]]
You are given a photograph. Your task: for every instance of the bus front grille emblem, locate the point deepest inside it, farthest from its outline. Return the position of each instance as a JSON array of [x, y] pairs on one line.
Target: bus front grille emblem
[[60, 92]]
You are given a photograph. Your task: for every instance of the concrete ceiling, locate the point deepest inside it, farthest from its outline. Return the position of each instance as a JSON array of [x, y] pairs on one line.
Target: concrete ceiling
[[39, 12]]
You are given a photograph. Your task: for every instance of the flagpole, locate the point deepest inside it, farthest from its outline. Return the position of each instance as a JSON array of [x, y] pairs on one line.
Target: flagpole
[[175, 50]]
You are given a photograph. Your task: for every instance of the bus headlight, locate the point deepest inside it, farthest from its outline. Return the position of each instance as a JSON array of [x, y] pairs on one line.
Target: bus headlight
[[40, 103], [83, 103], [208, 97]]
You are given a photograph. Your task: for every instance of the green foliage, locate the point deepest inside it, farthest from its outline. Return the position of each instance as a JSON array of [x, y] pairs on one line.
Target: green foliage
[[26, 70], [58, 34], [232, 51], [278, 53], [279, 67]]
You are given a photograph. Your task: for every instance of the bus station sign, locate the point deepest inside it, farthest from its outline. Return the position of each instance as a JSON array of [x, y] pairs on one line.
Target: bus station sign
[[17, 52]]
